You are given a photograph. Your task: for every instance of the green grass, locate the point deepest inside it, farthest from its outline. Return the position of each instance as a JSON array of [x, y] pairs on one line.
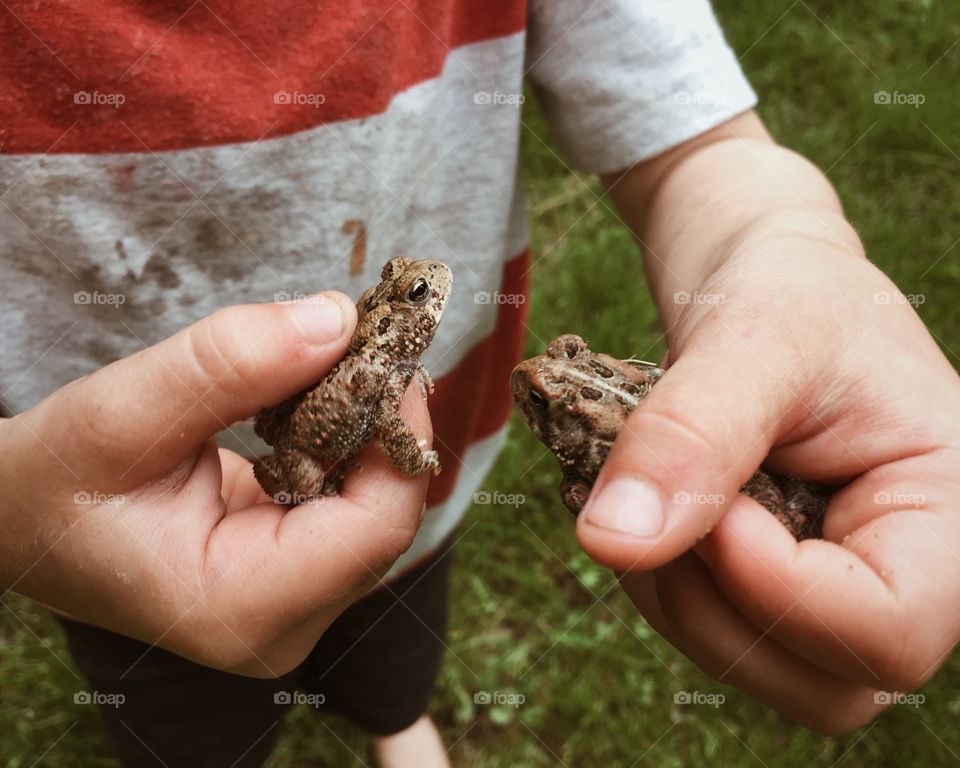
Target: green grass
[[531, 614]]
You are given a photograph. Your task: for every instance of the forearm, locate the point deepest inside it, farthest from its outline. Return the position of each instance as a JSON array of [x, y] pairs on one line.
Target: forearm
[[25, 533], [11, 543], [731, 189]]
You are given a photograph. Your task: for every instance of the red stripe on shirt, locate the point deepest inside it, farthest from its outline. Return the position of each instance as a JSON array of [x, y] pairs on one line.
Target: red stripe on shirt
[[479, 387], [206, 73]]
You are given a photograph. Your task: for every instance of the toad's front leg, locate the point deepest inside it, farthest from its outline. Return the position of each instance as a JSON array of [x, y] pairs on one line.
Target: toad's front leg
[[407, 453], [574, 491], [426, 383]]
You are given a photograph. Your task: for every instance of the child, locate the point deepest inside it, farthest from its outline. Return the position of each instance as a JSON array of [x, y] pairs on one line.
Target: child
[[162, 162]]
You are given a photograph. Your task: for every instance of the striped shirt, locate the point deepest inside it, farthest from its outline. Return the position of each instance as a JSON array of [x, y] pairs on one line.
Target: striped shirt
[[160, 161]]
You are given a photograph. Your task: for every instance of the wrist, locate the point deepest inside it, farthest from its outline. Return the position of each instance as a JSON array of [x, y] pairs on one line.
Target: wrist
[[792, 235], [20, 516], [800, 228]]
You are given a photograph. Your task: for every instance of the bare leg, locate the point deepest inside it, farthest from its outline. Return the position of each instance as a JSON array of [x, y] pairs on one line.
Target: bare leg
[[420, 746]]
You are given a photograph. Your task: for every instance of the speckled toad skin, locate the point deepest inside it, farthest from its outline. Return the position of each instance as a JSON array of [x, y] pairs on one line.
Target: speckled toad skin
[[317, 434], [576, 401]]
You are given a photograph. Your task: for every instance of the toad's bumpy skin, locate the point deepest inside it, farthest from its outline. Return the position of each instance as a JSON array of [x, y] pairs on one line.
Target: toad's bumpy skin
[[576, 401], [317, 434]]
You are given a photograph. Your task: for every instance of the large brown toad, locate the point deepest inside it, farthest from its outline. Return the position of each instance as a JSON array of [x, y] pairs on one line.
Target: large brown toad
[[317, 434], [576, 401]]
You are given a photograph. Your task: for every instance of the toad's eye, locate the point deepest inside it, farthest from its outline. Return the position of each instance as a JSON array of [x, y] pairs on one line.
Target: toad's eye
[[418, 291], [538, 400]]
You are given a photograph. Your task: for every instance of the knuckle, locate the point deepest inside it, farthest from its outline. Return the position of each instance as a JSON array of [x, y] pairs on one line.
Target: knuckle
[[94, 422], [396, 541], [836, 720], [218, 648], [683, 421], [259, 670], [263, 665], [220, 355], [910, 660], [684, 443]]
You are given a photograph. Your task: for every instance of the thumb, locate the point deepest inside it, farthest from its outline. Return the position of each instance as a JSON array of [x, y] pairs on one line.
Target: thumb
[[683, 454], [147, 412]]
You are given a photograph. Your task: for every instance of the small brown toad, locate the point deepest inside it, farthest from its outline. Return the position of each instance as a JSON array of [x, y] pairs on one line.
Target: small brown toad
[[576, 401], [317, 434]]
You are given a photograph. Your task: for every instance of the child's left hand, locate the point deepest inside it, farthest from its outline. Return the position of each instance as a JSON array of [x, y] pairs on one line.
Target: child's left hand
[[845, 387]]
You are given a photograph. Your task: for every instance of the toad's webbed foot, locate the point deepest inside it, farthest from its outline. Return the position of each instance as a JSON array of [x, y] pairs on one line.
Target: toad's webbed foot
[[426, 383]]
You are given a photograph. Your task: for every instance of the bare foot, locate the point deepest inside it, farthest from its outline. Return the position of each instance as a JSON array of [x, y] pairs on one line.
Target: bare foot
[[420, 746]]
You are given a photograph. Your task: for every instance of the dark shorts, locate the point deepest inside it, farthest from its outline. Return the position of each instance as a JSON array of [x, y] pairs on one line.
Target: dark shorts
[[376, 664]]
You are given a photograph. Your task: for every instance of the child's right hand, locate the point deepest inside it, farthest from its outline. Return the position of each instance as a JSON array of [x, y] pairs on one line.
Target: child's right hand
[[118, 508]]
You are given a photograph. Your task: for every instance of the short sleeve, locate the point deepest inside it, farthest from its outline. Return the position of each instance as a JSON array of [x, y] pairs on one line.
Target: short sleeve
[[623, 80]]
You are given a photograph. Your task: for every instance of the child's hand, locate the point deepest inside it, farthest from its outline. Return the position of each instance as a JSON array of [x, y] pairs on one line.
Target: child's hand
[[812, 356], [118, 508]]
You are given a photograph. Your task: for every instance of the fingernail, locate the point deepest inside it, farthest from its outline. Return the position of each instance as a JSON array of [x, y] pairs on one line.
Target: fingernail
[[627, 505], [319, 318]]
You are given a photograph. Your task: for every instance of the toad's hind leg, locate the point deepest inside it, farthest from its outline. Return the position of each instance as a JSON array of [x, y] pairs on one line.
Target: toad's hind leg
[[404, 450], [271, 423], [291, 476]]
